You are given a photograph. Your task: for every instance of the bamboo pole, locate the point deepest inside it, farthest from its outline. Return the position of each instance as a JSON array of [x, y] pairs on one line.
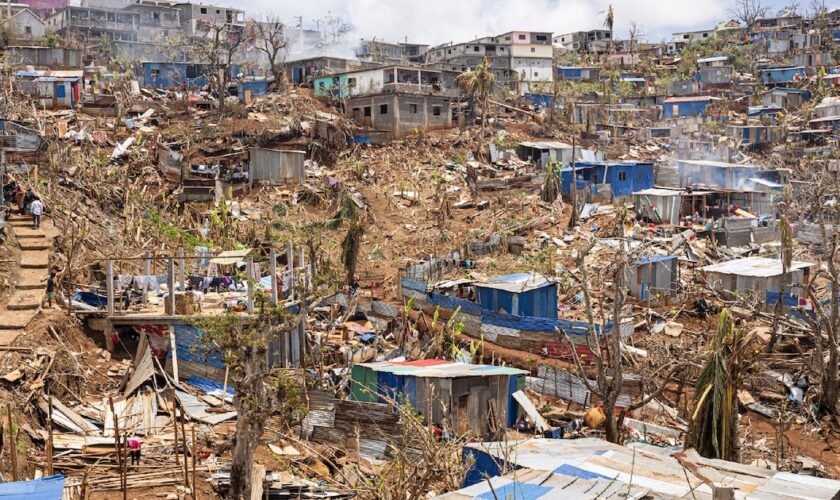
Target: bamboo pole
[[13, 444], [175, 424], [186, 465], [117, 443], [50, 470], [194, 482]]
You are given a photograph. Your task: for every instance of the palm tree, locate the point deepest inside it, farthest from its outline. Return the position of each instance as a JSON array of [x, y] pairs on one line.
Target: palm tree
[[608, 23], [478, 84], [713, 430], [350, 250]]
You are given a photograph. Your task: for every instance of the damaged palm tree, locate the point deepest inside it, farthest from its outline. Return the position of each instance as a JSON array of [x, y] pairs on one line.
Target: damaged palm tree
[[350, 247], [551, 185], [260, 390], [713, 430], [787, 261], [478, 84]]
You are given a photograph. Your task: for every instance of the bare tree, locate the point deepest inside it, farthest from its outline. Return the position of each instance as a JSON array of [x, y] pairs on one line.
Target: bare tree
[[747, 11], [817, 9], [270, 39], [635, 33], [218, 44], [607, 356], [335, 27]]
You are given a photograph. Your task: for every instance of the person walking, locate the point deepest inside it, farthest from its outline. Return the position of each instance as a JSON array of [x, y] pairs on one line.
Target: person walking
[[50, 289], [37, 208]]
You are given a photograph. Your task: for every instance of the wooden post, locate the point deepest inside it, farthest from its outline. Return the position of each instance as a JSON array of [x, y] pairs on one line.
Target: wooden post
[[109, 285], [225, 385], [194, 482], [147, 270], [175, 425], [303, 265], [117, 440], [170, 283], [290, 265], [174, 349], [274, 282], [12, 444], [186, 464], [252, 281], [182, 275], [50, 470]]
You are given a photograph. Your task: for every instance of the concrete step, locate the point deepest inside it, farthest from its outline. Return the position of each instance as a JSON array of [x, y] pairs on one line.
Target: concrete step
[[15, 320], [35, 244], [8, 336], [28, 232], [34, 260], [15, 216], [32, 282], [20, 223], [23, 300]]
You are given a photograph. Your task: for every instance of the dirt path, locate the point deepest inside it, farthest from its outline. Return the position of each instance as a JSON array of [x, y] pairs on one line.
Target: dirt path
[[30, 275]]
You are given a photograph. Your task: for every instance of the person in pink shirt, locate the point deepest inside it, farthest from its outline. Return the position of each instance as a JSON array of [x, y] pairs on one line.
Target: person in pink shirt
[[134, 446]]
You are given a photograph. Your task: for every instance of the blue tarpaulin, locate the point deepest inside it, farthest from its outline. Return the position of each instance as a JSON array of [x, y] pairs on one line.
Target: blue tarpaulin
[[91, 299], [46, 488], [208, 386]]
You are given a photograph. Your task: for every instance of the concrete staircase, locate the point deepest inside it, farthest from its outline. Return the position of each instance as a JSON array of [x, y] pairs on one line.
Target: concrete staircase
[[32, 272]]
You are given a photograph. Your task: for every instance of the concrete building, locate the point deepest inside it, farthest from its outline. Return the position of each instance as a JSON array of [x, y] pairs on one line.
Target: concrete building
[[91, 24], [519, 59], [591, 42], [391, 53], [20, 23], [195, 17]]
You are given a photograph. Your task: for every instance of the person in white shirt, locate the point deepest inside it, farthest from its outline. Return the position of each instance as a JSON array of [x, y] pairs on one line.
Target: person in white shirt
[[37, 208]]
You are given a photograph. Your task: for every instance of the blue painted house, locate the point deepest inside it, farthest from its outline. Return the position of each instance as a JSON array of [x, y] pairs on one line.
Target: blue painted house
[[173, 75], [257, 87], [521, 294], [624, 178], [674, 107], [455, 395], [578, 73], [782, 76]]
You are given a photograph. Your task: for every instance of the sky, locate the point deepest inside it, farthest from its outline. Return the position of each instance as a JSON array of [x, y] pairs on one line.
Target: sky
[[439, 21]]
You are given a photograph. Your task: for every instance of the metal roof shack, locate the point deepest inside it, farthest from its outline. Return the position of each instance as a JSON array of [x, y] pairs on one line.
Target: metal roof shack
[[646, 467], [755, 267], [455, 395], [761, 276], [521, 294]]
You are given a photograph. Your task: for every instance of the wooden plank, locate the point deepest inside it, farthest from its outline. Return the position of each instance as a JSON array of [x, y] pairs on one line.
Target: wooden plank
[[257, 479]]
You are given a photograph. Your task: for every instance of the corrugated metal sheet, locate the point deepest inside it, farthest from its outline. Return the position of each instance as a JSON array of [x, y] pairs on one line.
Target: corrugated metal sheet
[[756, 267], [276, 166], [660, 473]]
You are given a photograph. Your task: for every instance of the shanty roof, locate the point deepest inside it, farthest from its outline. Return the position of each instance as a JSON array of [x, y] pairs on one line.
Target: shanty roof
[[230, 257], [709, 163], [699, 98], [438, 368], [766, 183], [712, 59], [546, 145], [517, 283], [653, 468], [756, 267], [669, 192], [57, 79], [653, 259], [528, 483], [74, 73]]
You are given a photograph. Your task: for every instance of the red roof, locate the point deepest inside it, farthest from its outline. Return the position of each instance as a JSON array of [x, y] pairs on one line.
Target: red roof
[[423, 362]]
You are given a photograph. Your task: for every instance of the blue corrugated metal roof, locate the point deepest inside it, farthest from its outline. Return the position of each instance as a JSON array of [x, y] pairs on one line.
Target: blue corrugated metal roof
[[45, 488], [652, 259]]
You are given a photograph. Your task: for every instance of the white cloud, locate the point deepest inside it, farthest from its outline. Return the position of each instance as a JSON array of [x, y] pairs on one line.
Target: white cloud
[[440, 21]]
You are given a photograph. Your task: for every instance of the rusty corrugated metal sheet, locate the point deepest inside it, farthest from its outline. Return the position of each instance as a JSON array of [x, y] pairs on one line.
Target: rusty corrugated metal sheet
[[276, 167]]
